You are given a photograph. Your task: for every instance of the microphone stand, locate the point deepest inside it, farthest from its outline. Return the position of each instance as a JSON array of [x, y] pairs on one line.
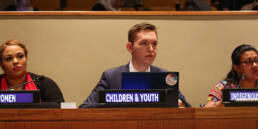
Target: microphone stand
[[36, 79]]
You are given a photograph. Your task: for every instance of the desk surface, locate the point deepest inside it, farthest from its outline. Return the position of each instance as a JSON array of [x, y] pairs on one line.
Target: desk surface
[[131, 118]]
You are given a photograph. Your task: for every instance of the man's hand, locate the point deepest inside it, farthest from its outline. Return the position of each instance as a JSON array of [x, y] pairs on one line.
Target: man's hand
[[180, 103]]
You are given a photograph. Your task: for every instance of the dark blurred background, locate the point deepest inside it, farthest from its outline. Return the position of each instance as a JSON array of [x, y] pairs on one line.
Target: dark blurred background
[[127, 5]]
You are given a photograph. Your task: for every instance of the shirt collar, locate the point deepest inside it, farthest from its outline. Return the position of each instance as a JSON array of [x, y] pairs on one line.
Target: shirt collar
[[132, 69]]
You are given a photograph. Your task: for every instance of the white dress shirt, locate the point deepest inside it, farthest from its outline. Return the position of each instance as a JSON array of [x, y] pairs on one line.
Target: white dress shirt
[[132, 69]]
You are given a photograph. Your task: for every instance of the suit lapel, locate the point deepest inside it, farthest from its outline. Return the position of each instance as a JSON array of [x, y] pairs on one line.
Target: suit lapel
[[125, 68], [153, 69]]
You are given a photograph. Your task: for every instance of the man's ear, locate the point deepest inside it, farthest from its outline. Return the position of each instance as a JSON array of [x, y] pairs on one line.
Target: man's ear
[[129, 47]]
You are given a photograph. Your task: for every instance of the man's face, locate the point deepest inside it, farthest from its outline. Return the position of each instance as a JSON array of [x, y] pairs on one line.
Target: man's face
[[144, 48]]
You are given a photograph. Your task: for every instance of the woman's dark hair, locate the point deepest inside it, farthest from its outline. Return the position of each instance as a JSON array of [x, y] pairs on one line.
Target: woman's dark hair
[[233, 76]]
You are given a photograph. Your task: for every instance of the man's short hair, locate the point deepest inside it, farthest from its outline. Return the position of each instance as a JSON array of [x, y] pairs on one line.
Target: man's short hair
[[139, 27]]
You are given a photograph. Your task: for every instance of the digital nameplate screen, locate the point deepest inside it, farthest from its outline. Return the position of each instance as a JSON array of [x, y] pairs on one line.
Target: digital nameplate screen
[[16, 98], [239, 96], [132, 97]]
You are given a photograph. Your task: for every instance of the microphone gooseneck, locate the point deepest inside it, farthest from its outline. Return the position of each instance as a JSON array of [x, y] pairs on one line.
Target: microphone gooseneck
[[23, 84]]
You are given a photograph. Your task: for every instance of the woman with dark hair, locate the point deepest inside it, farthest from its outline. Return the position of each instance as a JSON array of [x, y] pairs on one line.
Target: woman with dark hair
[[13, 61], [244, 74]]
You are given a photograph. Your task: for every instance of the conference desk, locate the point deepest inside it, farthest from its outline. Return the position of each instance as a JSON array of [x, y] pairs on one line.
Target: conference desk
[[130, 118]]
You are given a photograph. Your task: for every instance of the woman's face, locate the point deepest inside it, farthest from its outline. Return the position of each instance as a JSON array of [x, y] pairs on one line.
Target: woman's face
[[249, 65], [14, 61]]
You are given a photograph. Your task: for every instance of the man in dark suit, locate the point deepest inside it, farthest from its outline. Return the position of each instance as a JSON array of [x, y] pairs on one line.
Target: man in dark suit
[[142, 44]]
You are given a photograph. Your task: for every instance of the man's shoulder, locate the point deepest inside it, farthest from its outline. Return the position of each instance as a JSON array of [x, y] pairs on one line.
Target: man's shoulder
[[122, 68]]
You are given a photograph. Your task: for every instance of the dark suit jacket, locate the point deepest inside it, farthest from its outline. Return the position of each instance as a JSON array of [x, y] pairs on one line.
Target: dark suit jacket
[[111, 79]]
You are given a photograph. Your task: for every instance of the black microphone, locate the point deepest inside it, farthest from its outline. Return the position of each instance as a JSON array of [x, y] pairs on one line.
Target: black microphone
[[241, 79], [23, 84]]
